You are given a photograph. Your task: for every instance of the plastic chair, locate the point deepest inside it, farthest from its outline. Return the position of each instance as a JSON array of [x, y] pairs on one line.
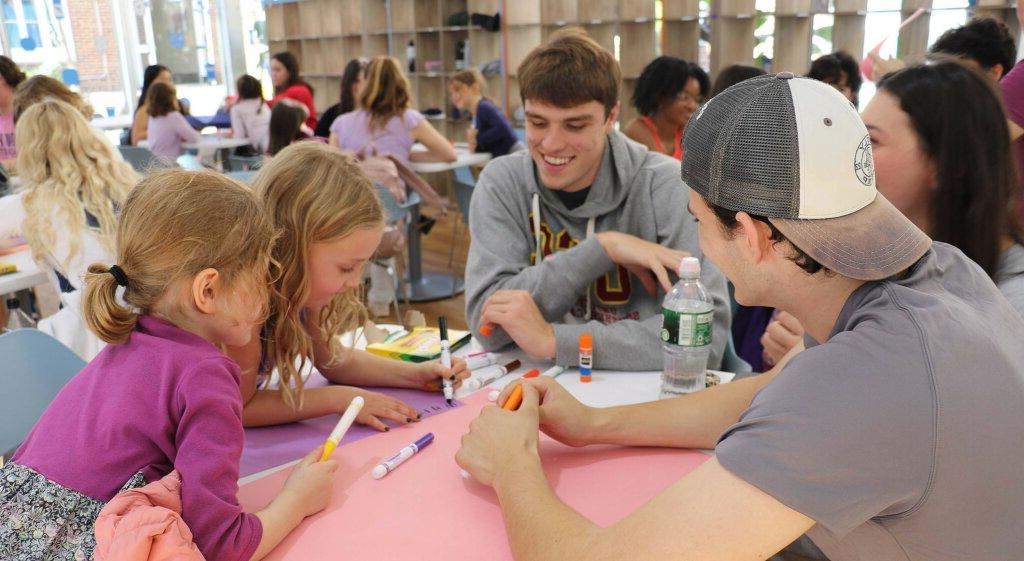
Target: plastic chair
[[463, 185], [142, 159], [35, 367], [244, 163]]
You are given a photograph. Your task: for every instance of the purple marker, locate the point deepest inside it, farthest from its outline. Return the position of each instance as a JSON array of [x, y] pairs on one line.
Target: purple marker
[[389, 465]]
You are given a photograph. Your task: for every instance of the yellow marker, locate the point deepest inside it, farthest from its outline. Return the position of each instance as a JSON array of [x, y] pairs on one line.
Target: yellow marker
[[342, 427]]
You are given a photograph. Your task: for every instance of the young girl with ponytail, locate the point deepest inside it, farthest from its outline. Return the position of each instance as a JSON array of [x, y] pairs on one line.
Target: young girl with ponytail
[[193, 255]]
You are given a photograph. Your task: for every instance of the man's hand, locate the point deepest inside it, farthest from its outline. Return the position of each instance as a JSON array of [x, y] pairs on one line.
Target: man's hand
[[517, 313], [499, 441], [562, 416], [646, 260]]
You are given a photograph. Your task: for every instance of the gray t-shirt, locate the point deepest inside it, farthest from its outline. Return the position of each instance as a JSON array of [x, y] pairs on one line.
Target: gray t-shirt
[[1010, 276], [902, 435]]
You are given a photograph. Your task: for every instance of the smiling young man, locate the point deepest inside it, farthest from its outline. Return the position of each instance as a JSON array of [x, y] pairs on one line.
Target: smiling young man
[[896, 438], [579, 233]]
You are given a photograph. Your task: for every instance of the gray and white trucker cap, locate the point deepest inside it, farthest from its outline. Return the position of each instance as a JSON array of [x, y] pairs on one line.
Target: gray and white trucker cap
[[795, 151]]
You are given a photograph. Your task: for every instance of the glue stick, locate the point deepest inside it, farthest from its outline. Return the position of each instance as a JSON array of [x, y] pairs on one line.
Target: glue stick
[[586, 356]]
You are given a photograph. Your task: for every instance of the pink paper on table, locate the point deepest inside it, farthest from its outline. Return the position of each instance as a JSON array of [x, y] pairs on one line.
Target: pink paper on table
[[425, 509], [267, 447]]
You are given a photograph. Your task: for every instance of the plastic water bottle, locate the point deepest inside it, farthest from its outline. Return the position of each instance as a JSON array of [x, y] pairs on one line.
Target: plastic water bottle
[[17, 319], [687, 319]]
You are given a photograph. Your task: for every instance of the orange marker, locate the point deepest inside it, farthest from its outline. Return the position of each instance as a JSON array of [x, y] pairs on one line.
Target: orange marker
[[532, 374], [513, 401], [487, 329]]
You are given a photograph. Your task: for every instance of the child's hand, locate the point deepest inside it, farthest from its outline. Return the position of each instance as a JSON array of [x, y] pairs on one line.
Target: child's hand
[[429, 374], [311, 484], [376, 408]]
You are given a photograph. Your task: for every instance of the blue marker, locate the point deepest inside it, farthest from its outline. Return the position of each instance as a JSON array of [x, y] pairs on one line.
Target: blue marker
[[390, 464]]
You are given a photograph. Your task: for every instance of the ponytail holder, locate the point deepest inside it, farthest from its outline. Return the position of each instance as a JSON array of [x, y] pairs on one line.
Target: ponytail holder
[[119, 276]]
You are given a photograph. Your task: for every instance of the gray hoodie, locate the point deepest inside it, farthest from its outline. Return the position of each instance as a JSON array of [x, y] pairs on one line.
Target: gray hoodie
[[637, 192]]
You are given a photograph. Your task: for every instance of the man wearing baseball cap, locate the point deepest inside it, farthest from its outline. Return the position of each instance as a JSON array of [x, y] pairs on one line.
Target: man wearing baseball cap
[[895, 435]]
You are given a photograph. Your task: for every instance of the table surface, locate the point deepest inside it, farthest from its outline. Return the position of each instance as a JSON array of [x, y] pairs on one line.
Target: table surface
[[112, 123], [463, 158], [212, 141], [607, 388], [28, 274]]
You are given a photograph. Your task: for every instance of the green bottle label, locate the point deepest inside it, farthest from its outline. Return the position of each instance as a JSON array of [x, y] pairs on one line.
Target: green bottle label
[[686, 329]]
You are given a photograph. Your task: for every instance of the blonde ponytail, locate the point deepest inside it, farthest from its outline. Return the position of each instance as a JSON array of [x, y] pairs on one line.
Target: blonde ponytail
[[103, 314]]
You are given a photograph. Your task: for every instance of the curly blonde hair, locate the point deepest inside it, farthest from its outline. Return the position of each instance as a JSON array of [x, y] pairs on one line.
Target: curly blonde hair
[[313, 193], [68, 170]]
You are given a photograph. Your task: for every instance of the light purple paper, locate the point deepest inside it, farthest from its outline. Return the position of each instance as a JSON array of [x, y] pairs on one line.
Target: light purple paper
[[267, 447]]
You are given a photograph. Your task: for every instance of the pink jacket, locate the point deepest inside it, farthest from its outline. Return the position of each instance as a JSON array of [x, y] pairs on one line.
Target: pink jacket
[[145, 525]]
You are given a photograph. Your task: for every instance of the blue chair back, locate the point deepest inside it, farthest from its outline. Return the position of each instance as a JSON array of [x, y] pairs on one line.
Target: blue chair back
[[34, 368], [464, 184], [142, 159], [394, 210]]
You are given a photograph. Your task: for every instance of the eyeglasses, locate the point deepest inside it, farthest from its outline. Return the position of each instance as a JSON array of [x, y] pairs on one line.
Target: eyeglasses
[[685, 97]]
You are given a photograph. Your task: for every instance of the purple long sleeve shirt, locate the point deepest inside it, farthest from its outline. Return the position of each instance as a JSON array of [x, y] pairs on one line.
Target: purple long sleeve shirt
[[166, 134], [165, 399]]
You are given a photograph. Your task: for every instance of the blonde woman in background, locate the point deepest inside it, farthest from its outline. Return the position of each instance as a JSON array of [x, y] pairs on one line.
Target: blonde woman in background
[[74, 182]]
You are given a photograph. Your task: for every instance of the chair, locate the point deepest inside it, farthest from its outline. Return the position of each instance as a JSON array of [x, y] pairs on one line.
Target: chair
[[35, 367], [464, 183], [142, 159], [395, 211], [244, 163]]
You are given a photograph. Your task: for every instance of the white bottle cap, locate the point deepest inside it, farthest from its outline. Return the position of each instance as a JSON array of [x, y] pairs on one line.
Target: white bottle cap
[[493, 396], [689, 268]]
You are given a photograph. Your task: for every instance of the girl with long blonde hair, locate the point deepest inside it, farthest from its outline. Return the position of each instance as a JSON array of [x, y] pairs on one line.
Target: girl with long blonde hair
[[331, 222], [74, 182], [385, 122]]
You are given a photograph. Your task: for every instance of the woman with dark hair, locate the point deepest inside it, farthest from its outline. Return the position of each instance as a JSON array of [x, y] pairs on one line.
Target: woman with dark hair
[[288, 84], [250, 116], [154, 74], [286, 120], [732, 75], [352, 81], [841, 71], [941, 148], [667, 93], [10, 77]]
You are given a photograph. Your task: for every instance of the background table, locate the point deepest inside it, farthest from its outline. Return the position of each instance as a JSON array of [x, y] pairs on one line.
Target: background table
[[28, 275], [425, 286]]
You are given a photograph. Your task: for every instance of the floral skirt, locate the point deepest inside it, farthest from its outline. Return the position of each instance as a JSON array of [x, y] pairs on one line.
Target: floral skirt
[[40, 519]]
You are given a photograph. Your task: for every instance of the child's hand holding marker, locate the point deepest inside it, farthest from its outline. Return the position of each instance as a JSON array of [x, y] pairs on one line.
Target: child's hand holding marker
[[498, 438], [429, 374], [310, 485]]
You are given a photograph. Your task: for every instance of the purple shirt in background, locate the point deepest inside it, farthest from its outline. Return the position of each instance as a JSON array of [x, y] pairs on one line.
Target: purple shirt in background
[[1012, 86], [166, 399], [7, 149], [353, 130], [165, 135]]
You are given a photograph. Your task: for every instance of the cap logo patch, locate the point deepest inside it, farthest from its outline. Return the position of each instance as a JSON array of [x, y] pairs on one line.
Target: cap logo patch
[[863, 163]]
